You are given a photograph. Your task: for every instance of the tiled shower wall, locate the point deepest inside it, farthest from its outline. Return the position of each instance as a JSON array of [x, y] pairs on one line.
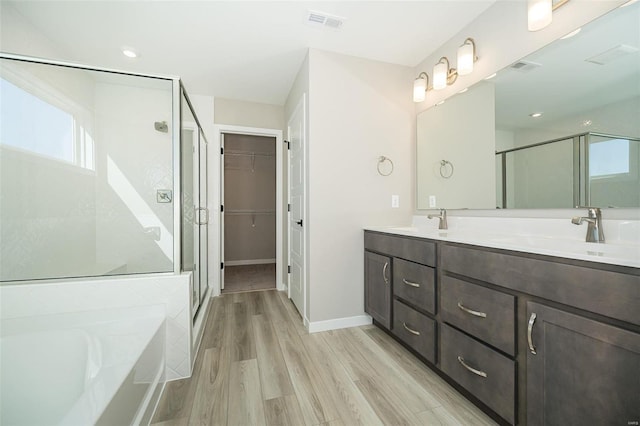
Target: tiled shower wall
[[172, 291]]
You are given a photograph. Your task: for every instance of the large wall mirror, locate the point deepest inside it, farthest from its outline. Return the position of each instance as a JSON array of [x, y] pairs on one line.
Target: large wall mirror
[[556, 129]]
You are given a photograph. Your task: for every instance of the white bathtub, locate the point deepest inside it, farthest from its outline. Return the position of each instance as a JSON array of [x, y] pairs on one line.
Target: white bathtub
[[96, 367]]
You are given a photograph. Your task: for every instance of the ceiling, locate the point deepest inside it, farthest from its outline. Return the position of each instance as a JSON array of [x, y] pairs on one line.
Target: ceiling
[[246, 50]]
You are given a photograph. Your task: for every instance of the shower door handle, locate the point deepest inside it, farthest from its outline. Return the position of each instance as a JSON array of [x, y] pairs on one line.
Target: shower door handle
[[299, 222]]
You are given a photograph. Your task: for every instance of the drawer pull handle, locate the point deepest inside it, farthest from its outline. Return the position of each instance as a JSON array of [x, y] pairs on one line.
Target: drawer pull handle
[[384, 272], [532, 321], [472, 312], [473, 370], [417, 333], [412, 284]]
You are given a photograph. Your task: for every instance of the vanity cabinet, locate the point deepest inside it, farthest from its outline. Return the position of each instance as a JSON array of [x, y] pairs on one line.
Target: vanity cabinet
[[536, 339], [580, 371], [377, 290], [401, 296]]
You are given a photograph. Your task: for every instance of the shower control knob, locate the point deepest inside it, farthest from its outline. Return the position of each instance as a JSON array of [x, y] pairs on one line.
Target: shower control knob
[[299, 222]]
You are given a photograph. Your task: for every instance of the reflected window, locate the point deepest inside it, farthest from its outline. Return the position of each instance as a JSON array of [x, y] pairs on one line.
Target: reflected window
[[609, 157], [31, 124]]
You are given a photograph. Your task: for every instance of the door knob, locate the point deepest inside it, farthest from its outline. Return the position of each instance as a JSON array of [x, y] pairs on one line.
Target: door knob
[[299, 222]]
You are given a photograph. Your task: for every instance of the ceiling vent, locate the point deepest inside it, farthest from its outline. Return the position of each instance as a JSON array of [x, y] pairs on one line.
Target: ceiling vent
[[525, 66], [325, 20], [612, 54]]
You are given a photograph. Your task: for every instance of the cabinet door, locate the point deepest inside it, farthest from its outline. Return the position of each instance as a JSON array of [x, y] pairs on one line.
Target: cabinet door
[[582, 372], [377, 287]]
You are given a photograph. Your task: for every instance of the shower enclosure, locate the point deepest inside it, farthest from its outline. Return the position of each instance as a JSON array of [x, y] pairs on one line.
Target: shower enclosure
[[102, 173], [588, 169]]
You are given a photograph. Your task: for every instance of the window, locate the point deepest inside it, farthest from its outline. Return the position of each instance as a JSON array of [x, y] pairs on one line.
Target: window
[[609, 157], [31, 124]]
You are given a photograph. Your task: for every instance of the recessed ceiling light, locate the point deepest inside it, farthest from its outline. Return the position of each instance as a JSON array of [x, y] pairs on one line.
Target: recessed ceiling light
[[491, 76], [571, 34], [535, 114], [464, 90], [129, 52]]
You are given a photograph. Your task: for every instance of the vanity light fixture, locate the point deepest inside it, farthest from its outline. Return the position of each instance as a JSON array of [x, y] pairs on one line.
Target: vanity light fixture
[[420, 86], [466, 57], [443, 75], [540, 13]]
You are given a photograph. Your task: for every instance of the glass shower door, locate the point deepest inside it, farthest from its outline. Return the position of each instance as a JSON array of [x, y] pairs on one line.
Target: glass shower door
[[193, 160]]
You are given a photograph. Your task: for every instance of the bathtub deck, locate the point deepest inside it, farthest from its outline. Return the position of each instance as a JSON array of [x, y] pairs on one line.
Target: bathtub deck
[[258, 366]]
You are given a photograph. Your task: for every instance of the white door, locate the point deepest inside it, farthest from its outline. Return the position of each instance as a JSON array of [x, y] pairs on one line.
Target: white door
[[297, 142], [221, 212]]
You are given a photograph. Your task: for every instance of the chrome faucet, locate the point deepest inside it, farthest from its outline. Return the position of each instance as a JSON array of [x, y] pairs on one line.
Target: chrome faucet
[[595, 233], [443, 218]]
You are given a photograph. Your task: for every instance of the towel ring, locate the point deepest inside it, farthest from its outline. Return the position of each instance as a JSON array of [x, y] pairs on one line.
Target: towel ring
[[381, 160], [443, 169]]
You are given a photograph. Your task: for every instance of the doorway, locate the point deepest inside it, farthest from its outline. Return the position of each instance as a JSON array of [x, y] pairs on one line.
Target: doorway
[[250, 206]]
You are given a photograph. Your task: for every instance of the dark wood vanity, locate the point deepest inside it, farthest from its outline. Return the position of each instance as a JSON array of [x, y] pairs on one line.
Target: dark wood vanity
[[530, 339]]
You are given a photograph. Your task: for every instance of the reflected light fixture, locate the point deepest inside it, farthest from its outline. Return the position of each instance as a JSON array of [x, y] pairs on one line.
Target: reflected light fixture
[[466, 57], [571, 34], [535, 114], [129, 52], [490, 76], [420, 86]]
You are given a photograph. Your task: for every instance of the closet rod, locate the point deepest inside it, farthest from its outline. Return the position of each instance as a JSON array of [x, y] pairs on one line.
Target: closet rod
[[248, 154], [251, 212]]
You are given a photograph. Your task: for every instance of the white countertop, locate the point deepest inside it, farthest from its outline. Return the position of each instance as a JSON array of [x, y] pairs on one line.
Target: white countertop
[[624, 249]]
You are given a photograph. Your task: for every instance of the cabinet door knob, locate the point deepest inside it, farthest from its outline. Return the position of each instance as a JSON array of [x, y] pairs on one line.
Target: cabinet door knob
[[384, 272], [471, 311], [410, 283], [473, 370], [532, 321]]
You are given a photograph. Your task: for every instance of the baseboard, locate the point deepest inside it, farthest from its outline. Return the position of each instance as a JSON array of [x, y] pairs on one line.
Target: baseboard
[[334, 324], [248, 262]]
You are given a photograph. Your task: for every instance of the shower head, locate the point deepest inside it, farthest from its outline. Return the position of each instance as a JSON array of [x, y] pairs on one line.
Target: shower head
[[161, 126]]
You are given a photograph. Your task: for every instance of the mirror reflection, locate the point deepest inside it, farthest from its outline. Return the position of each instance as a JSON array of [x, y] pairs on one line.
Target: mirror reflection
[[565, 129]]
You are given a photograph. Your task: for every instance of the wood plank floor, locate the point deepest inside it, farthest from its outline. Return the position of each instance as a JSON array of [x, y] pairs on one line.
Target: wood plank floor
[[258, 366], [249, 277]]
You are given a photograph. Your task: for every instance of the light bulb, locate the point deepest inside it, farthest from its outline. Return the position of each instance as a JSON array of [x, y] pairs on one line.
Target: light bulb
[[540, 14], [466, 58], [419, 89], [440, 71]]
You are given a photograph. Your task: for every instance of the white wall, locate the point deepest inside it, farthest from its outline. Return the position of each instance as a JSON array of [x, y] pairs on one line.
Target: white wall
[[461, 131], [249, 114], [358, 110]]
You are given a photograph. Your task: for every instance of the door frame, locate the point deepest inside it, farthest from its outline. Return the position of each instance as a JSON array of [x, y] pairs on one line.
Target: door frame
[[219, 130]]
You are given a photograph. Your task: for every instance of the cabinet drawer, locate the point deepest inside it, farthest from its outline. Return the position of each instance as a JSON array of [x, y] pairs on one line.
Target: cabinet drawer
[[485, 373], [487, 314], [415, 283], [415, 329], [585, 287], [416, 250]]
